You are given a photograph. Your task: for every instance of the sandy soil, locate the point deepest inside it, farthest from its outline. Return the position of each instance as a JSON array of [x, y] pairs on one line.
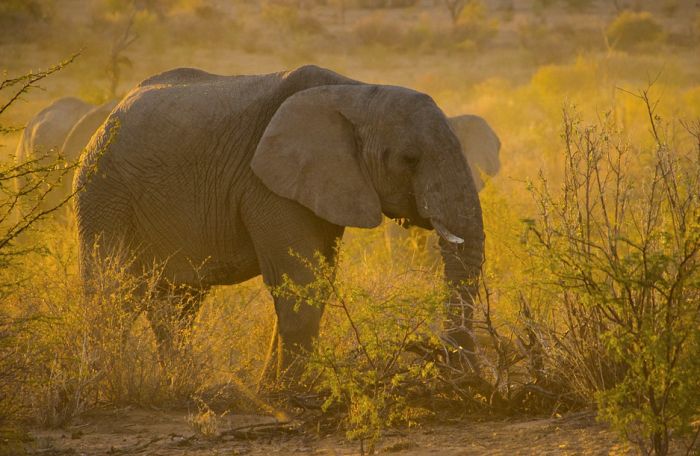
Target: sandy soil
[[139, 432]]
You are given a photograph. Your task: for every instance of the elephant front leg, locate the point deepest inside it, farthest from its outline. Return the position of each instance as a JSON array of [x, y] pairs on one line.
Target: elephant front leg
[[298, 314], [298, 326], [286, 237], [294, 345]]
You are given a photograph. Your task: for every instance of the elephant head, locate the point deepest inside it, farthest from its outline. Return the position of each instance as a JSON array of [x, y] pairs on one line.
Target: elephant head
[[63, 128], [480, 145], [48, 129], [42, 139], [79, 136], [352, 152]]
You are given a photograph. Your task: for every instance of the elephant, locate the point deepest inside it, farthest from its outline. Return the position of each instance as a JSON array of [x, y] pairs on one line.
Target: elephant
[[480, 145], [64, 128], [218, 178], [80, 134], [47, 130]]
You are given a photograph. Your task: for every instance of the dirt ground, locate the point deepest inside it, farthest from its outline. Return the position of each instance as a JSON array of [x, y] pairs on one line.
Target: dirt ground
[[139, 432]]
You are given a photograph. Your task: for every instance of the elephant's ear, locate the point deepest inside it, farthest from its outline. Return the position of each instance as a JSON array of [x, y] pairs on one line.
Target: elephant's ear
[[309, 153], [479, 142]]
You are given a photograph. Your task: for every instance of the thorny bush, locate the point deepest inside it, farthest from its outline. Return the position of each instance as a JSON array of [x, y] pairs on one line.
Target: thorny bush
[[618, 245]]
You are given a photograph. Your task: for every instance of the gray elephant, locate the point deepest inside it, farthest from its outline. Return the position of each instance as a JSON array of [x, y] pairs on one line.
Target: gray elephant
[[47, 130], [481, 148], [480, 145], [220, 177], [81, 132], [79, 136], [61, 129]]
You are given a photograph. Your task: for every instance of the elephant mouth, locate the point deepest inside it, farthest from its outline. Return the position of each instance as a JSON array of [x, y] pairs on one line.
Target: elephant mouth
[[426, 223], [429, 224], [407, 222]]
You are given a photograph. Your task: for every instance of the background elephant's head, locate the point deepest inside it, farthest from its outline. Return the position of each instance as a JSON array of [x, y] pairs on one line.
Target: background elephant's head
[[62, 129], [480, 144], [48, 129], [352, 152]]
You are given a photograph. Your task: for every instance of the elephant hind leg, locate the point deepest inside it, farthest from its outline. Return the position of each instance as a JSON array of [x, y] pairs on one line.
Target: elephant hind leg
[[106, 232]]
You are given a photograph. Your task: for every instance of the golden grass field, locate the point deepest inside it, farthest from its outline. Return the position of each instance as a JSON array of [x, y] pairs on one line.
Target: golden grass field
[[76, 387]]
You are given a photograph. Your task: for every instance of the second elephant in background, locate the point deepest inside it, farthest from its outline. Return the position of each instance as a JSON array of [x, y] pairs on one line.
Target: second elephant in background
[[480, 145], [79, 136], [62, 129]]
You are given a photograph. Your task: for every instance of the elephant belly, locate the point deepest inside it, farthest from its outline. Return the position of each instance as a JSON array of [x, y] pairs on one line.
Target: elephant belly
[[197, 249], [228, 273], [218, 268]]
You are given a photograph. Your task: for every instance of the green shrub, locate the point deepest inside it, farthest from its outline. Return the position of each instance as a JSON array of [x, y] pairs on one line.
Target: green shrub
[[620, 247], [84, 351], [630, 30], [13, 369], [378, 305], [24, 186]]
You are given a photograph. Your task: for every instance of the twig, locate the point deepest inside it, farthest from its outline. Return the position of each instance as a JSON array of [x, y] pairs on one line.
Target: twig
[[253, 431], [136, 448]]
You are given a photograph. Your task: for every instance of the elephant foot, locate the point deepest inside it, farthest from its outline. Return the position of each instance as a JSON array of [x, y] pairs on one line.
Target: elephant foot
[[283, 369]]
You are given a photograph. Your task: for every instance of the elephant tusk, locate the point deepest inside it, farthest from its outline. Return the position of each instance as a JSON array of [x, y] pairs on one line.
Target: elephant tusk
[[445, 233]]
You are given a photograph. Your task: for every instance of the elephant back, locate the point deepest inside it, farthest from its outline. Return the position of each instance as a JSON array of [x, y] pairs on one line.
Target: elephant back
[[189, 115], [179, 76], [182, 122]]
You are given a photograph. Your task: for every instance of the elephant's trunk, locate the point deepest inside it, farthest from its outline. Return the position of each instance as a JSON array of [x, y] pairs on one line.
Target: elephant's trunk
[[493, 166], [462, 269], [452, 205]]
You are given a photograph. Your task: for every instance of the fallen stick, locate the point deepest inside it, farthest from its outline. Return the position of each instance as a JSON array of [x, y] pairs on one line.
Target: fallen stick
[[261, 429]]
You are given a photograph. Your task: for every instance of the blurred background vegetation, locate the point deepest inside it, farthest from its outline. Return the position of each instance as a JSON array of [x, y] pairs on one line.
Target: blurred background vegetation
[[550, 76]]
